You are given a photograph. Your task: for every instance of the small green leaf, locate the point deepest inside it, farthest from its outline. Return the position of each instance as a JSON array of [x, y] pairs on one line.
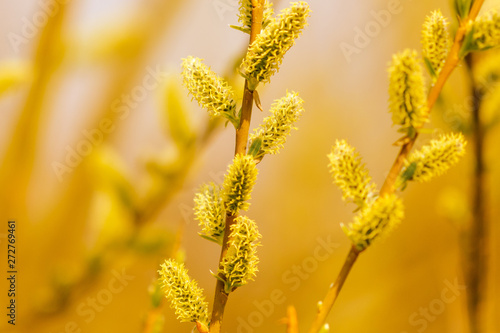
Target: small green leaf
[[245, 30], [407, 175], [255, 147], [468, 44], [462, 7], [14, 73], [431, 70]]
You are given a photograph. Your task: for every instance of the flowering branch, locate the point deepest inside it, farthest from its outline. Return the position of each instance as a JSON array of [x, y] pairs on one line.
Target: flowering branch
[[390, 183]]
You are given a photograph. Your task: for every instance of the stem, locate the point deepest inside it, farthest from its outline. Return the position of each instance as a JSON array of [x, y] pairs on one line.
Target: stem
[[476, 257], [389, 184], [156, 200], [220, 298], [244, 128], [335, 288]]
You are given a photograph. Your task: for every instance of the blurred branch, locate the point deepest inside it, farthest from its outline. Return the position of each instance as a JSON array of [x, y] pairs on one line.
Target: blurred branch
[[476, 233], [78, 187]]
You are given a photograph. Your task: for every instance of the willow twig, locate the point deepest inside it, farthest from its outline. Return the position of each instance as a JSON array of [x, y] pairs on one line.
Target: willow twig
[[220, 298]]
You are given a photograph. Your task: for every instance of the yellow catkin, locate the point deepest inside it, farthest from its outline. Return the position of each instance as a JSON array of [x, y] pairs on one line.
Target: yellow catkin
[[239, 182], [435, 158], [375, 220], [273, 131], [239, 266], [266, 53], [436, 41], [486, 31], [350, 174], [211, 92], [209, 211]]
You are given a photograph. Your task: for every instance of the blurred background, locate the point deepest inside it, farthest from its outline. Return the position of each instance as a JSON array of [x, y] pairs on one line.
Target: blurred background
[[102, 151]]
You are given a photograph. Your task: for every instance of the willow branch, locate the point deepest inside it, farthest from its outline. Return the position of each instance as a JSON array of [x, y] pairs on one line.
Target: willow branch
[[476, 247], [220, 298], [389, 184]]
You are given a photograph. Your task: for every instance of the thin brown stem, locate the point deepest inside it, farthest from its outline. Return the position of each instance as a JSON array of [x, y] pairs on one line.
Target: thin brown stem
[[389, 184], [476, 235], [334, 290], [246, 115], [156, 200], [221, 296]]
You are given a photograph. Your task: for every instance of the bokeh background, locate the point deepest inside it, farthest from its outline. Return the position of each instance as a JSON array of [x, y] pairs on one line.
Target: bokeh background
[[127, 205]]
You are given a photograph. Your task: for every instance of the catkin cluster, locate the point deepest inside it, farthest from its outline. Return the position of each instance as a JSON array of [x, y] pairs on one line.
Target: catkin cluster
[[376, 215], [374, 220], [485, 31], [350, 174], [379, 213], [217, 207]]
